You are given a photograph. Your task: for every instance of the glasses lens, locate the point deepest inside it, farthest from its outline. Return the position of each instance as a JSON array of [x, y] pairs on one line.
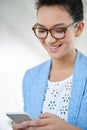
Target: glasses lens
[[40, 32], [58, 33]]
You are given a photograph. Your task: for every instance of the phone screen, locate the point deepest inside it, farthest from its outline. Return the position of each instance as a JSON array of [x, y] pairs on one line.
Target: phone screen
[[19, 117]]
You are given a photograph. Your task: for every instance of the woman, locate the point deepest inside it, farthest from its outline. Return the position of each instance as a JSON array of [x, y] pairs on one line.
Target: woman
[[55, 92]]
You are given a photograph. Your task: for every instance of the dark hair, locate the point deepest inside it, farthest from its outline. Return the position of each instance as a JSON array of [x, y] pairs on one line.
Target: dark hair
[[74, 7]]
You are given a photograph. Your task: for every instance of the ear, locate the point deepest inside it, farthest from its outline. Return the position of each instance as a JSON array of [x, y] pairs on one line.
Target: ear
[[79, 29]]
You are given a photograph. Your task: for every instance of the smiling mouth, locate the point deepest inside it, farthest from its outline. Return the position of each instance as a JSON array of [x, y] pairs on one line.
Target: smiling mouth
[[54, 48]]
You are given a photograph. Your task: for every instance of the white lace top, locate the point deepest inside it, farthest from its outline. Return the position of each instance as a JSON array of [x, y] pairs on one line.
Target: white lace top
[[57, 98]]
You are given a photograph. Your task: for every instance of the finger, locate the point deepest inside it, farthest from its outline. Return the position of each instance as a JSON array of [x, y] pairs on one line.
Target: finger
[[36, 123], [19, 126], [46, 115]]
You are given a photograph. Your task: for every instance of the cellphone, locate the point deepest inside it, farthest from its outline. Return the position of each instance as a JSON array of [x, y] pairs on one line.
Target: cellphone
[[18, 117]]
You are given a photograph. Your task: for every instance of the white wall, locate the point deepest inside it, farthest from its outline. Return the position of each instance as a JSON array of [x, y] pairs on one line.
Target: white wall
[[19, 50]]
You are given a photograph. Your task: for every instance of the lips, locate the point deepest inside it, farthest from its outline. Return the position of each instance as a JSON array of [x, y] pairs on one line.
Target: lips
[[54, 48]]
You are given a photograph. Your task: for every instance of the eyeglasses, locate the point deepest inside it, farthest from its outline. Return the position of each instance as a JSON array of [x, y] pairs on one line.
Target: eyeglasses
[[56, 32]]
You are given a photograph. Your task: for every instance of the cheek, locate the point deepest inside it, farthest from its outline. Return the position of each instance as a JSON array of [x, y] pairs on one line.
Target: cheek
[[70, 37], [42, 42], [68, 42]]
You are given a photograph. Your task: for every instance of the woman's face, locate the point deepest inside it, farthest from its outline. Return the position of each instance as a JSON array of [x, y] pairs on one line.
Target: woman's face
[[58, 17]]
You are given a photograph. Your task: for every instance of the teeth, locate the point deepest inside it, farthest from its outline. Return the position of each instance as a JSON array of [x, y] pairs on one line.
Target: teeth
[[54, 47]]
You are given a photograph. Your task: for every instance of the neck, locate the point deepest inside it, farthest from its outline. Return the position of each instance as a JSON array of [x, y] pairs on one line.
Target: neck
[[65, 62], [62, 68]]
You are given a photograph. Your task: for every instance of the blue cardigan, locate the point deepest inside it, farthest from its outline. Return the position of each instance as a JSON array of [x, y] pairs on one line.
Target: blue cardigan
[[34, 87]]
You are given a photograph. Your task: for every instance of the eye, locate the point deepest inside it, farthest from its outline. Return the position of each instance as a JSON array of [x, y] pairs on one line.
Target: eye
[[41, 30], [59, 30]]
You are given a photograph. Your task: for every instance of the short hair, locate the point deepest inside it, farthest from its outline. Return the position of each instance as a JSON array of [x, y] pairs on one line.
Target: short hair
[[74, 7]]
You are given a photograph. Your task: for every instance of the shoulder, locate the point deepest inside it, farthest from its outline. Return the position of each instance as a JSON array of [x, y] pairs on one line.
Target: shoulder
[[80, 63], [82, 56], [81, 59], [38, 69]]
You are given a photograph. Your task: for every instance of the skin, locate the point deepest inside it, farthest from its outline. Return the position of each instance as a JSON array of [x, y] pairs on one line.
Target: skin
[[63, 58]]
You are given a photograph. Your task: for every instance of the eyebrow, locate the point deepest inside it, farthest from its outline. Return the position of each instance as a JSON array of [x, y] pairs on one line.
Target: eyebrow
[[59, 24]]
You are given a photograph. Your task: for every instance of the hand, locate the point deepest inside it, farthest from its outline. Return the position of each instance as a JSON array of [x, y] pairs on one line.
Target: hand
[[47, 122], [53, 122]]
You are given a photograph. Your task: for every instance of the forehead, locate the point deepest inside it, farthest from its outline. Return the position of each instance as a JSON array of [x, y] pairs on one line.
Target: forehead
[[51, 15]]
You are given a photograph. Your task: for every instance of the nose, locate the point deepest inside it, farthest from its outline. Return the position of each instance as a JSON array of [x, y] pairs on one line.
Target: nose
[[49, 39]]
